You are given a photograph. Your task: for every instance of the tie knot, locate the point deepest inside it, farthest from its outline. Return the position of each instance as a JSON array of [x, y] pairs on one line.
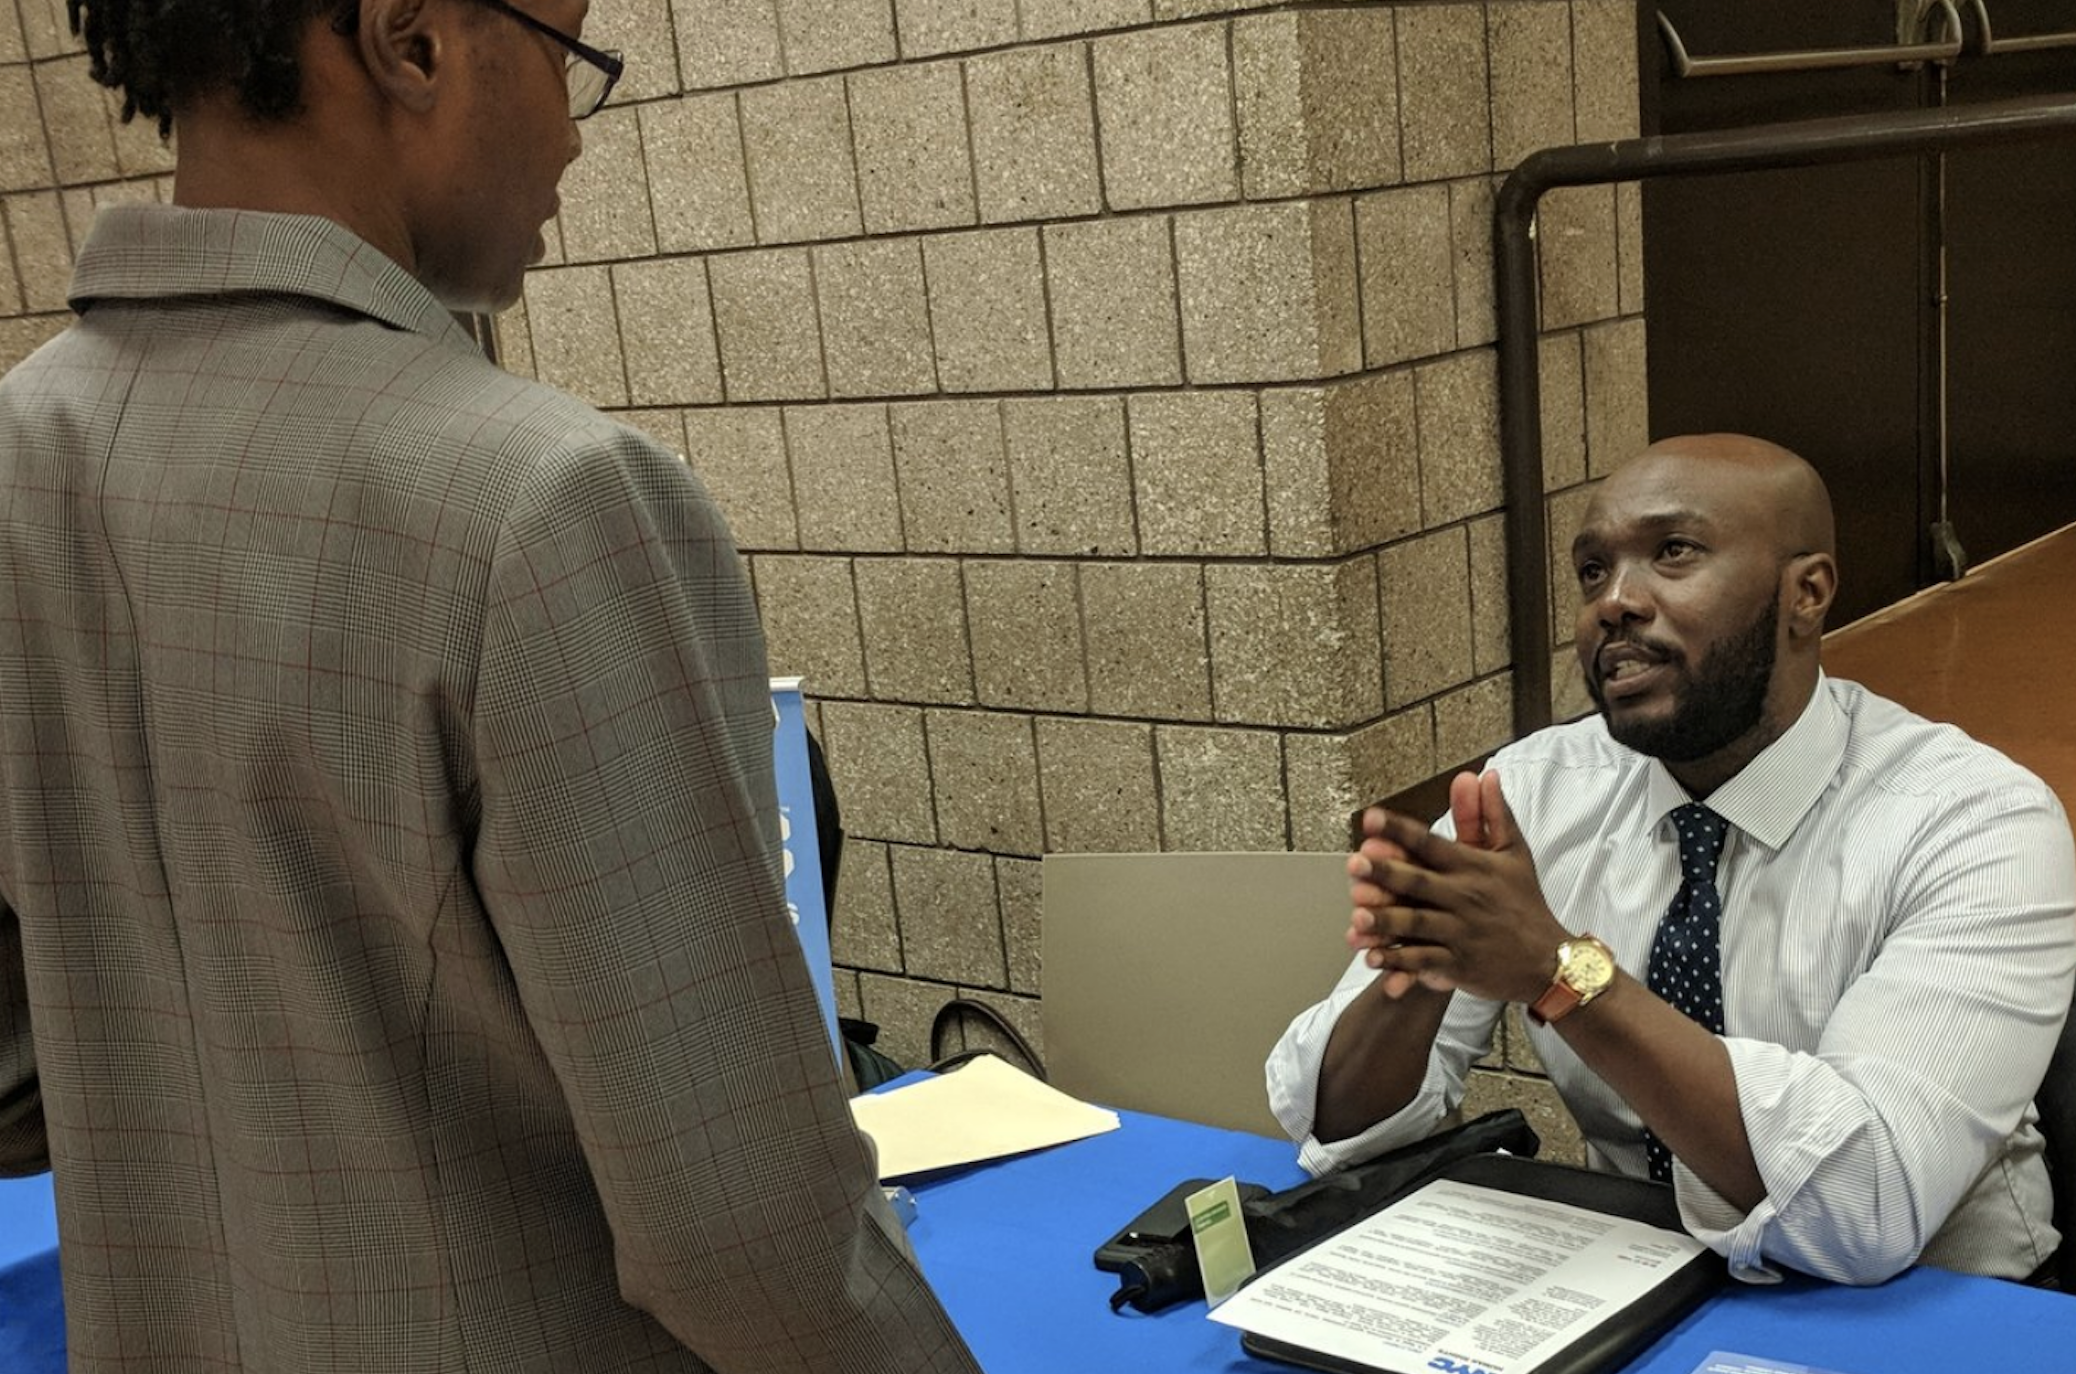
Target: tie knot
[[1701, 833]]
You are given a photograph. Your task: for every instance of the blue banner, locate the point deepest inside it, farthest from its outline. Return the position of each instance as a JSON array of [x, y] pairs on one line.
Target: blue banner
[[803, 848]]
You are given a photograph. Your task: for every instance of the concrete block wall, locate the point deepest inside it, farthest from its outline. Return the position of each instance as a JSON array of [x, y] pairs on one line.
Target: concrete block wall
[[1102, 393]]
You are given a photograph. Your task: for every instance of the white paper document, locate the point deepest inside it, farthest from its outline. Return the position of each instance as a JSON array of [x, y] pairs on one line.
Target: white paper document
[[984, 1110], [1456, 1276]]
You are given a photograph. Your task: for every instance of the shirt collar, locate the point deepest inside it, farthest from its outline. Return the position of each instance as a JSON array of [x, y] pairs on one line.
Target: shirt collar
[[143, 252], [1770, 795]]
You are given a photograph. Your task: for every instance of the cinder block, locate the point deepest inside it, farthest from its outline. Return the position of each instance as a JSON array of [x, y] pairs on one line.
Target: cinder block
[[1488, 1092], [82, 137], [576, 335], [1529, 43], [1425, 586], [875, 318], [764, 313], [843, 478], [726, 42], [1100, 794], [45, 31], [914, 170], [1022, 888], [1629, 252], [42, 250], [915, 632], [13, 47], [1058, 18], [1070, 481], [739, 452], [1604, 39], [1268, 292], [1034, 133], [1197, 472], [1472, 721], [515, 341], [951, 919], [1266, 618], [880, 769], [1342, 463], [1561, 386], [810, 614], [823, 35], [1490, 625], [605, 193], [930, 27], [1144, 627], [1618, 393], [1113, 303], [1318, 101], [1445, 116], [985, 768], [987, 311], [902, 1010], [1565, 511], [10, 286], [640, 29], [1165, 109], [22, 336], [667, 329], [1025, 621], [1222, 790], [139, 151], [797, 140], [1408, 274], [1575, 244], [953, 475], [863, 931], [1333, 776], [666, 427], [1459, 436], [1470, 242], [698, 191]]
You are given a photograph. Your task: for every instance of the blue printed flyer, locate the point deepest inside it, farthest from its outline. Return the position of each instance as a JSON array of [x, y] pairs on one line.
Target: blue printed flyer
[[1728, 1362]]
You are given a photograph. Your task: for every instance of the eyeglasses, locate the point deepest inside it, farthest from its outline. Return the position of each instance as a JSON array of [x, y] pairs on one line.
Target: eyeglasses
[[590, 73]]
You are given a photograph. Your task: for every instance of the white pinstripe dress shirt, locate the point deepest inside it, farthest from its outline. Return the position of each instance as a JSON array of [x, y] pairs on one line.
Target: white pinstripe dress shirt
[[1899, 944]]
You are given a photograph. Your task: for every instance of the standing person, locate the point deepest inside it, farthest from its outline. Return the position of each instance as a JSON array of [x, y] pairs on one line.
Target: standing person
[[1783, 944], [394, 966]]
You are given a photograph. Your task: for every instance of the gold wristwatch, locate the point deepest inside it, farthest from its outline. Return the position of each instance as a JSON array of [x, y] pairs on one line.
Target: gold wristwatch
[[1585, 969]]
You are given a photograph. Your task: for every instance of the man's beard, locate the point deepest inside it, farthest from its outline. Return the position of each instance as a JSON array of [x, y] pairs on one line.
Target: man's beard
[[1724, 697]]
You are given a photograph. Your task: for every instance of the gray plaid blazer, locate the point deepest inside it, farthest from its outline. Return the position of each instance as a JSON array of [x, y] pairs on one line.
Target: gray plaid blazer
[[394, 966]]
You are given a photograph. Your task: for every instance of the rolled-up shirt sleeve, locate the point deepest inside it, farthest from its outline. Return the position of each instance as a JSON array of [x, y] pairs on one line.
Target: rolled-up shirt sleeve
[[1926, 1067], [1293, 1074]]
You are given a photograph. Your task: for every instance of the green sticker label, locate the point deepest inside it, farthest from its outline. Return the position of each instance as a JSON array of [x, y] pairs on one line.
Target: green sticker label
[[1220, 1232]]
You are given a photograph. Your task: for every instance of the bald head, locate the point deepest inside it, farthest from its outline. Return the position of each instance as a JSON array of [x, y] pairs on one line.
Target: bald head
[[1783, 493], [1706, 567]]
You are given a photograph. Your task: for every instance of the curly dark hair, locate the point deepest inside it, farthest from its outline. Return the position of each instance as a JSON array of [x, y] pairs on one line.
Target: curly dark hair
[[159, 53]]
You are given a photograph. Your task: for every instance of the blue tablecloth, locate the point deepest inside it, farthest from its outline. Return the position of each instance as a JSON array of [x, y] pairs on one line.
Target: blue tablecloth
[[32, 1311], [1008, 1245]]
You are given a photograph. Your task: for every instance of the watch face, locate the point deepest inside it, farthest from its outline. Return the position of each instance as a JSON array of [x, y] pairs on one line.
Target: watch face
[[1587, 966]]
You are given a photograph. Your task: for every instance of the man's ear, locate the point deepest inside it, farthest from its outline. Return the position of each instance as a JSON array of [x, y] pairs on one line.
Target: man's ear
[[403, 50], [1811, 583]]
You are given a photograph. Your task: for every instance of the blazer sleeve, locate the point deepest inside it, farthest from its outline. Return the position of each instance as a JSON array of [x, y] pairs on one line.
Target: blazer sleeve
[[628, 856]]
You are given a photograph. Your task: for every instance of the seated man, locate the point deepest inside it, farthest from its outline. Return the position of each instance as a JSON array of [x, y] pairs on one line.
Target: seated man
[[1819, 1004]]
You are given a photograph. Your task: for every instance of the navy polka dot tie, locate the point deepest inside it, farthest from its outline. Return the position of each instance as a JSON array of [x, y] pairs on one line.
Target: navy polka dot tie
[[1686, 956]]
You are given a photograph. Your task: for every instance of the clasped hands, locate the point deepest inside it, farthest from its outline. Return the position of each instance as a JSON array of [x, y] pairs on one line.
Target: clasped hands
[[1443, 914]]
